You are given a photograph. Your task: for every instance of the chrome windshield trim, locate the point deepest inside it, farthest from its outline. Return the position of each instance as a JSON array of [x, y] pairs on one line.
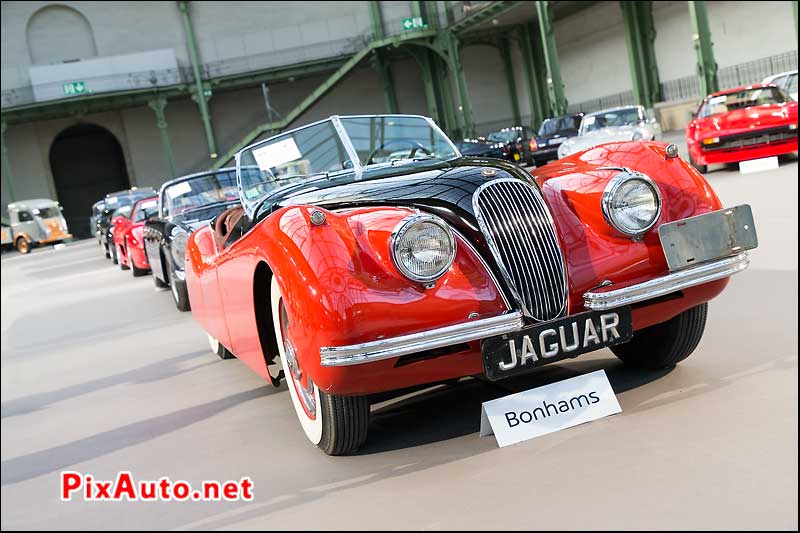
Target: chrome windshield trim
[[675, 281], [348, 146], [368, 352]]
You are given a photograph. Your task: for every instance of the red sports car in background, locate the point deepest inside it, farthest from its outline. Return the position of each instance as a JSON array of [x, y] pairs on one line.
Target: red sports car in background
[[128, 236], [740, 124]]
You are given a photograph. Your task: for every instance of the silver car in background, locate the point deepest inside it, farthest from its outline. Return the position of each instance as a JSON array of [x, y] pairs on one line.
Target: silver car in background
[[786, 81], [627, 123]]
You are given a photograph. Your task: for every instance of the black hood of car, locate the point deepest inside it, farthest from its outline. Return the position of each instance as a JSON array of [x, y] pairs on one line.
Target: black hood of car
[[445, 190]]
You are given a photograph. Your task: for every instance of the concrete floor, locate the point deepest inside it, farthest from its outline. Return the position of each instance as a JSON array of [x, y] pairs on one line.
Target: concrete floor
[[100, 373]]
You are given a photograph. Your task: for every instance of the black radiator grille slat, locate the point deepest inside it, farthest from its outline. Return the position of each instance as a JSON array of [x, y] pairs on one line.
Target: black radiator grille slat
[[519, 229]]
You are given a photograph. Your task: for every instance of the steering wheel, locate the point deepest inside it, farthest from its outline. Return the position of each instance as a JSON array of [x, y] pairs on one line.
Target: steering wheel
[[414, 144]]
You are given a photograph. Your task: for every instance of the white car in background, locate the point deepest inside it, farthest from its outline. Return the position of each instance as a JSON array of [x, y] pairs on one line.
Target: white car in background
[[786, 81], [628, 123]]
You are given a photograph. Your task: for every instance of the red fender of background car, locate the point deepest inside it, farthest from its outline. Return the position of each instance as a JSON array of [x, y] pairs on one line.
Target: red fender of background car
[[342, 288], [121, 226], [134, 239], [741, 121]]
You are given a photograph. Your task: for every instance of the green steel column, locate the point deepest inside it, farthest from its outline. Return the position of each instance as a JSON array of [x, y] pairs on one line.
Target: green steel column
[[648, 37], [448, 13], [635, 62], [794, 8], [381, 62], [448, 122], [640, 37], [158, 105], [457, 68], [508, 67], [200, 95], [558, 102], [423, 60], [701, 34], [536, 92], [6, 165]]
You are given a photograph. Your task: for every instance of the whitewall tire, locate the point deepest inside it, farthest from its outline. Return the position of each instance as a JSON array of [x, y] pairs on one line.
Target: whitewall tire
[[311, 426], [336, 424]]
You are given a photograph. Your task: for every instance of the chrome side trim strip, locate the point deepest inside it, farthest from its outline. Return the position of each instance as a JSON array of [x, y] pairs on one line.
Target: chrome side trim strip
[[368, 352], [664, 285]]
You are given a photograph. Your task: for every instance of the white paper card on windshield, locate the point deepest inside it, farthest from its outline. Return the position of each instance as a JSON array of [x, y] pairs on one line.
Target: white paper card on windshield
[[758, 165], [179, 189], [536, 412], [276, 154]]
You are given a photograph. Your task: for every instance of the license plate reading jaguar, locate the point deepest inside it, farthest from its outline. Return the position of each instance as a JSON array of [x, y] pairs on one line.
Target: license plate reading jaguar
[[565, 338]]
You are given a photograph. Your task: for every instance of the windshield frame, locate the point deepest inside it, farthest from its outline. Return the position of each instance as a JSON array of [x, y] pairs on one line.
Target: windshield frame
[[774, 89], [188, 177], [357, 169], [640, 111]]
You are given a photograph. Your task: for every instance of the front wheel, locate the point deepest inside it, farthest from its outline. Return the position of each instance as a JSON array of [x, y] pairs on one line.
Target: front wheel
[[179, 293], [336, 424], [702, 169], [120, 255], [666, 344], [114, 258], [23, 246], [217, 347]]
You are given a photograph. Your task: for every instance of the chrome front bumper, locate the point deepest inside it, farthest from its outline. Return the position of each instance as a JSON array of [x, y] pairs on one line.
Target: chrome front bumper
[[417, 342], [508, 323], [675, 281]]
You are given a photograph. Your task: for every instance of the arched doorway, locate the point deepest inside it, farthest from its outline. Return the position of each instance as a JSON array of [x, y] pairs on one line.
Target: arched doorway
[[87, 163]]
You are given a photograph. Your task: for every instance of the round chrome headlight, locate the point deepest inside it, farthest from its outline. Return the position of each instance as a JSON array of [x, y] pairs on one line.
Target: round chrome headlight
[[178, 246], [631, 203], [423, 248]]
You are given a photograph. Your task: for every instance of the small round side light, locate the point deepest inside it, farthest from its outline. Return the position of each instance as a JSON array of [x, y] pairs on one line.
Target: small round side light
[[672, 151]]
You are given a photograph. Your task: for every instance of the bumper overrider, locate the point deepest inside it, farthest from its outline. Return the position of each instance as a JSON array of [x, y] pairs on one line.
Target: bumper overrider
[[597, 300]]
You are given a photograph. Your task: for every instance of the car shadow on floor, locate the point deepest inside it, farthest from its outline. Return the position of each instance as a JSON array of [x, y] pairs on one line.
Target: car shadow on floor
[[53, 459], [157, 371], [450, 411]]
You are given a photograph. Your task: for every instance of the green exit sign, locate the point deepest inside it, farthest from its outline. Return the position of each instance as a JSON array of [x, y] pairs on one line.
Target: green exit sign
[[76, 87], [414, 23]]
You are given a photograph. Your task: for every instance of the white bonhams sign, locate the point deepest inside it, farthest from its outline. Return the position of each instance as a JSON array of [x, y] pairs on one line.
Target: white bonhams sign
[[547, 409]]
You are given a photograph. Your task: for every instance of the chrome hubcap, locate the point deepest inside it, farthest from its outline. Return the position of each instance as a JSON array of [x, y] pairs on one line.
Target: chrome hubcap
[[174, 286], [306, 394]]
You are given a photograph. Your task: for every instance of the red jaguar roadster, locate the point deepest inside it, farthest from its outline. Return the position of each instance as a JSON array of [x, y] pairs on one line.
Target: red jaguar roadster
[[129, 236], [741, 124], [368, 255]]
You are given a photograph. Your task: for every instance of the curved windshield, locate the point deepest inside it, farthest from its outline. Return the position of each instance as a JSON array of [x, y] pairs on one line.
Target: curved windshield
[[551, 126], [393, 138], [505, 136], [717, 105], [144, 209], [193, 194], [124, 211], [625, 116], [337, 147], [47, 212], [117, 200]]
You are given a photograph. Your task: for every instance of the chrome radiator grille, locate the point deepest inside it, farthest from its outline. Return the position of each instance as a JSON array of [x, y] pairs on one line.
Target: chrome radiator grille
[[518, 227]]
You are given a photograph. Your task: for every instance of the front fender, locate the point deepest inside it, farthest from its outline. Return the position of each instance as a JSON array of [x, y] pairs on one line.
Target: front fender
[[340, 286], [594, 251]]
